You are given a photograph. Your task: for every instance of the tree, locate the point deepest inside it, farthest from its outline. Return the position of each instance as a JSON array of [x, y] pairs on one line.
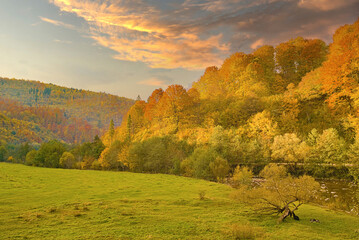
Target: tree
[[67, 160], [289, 148], [299, 56], [173, 106], [158, 155], [3, 153], [329, 148], [219, 168], [49, 154], [31, 158], [150, 110], [242, 176], [339, 76], [280, 193], [210, 84], [109, 157], [198, 164], [111, 130]]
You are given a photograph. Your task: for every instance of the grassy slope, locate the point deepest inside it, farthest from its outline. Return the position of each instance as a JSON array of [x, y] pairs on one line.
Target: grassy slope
[[39, 203]]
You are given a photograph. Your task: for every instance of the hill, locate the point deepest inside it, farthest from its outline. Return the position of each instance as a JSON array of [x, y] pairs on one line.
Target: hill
[[255, 109], [41, 203], [72, 115]]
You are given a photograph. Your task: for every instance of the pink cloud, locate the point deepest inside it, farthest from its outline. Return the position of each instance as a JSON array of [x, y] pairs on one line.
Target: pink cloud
[[153, 82], [57, 23]]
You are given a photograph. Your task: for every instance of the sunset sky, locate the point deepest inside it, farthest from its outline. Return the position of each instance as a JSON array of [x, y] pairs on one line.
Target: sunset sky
[[131, 47]]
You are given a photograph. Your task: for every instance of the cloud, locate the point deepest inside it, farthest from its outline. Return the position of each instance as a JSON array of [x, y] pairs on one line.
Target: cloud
[[325, 5], [257, 43], [153, 82], [57, 23], [194, 34], [62, 41]]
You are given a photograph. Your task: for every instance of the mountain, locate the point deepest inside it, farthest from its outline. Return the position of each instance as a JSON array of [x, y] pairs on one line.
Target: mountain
[[48, 111]]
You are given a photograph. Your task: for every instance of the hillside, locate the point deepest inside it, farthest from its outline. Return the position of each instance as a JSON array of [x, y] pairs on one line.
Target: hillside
[[72, 115], [255, 109], [40, 203], [17, 131]]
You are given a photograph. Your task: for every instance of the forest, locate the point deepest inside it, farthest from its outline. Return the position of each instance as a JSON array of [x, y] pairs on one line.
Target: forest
[[34, 112], [295, 104]]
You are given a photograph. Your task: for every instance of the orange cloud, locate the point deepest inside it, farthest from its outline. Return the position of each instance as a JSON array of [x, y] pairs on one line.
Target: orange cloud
[[324, 5], [136, 33], [257, 43], [194, 34]]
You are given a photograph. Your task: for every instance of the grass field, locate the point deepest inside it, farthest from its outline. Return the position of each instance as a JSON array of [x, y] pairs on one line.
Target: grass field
[[40, 203]]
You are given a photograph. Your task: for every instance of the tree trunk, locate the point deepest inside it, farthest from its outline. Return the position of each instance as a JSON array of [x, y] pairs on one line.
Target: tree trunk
[[286, 212]]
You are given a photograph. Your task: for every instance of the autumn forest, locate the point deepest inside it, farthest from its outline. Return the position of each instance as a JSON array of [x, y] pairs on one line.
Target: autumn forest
[[287, 113], [296, 103]]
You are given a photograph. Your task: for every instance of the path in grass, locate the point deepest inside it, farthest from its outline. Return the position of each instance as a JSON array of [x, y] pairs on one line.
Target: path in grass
[[40, 203]]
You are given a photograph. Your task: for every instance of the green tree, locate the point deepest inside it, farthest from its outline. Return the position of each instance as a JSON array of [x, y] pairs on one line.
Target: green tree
[[198, 164], [49, 154], [67, 160], [31, 158], [219, 168], [158, 155], [3, 153], [329, 148]]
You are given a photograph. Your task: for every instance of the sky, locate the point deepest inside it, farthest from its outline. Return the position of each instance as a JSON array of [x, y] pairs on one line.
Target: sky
[[131, 47]]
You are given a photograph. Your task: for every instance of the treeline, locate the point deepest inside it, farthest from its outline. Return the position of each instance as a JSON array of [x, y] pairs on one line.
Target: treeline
[[295, 104], [54, 154]]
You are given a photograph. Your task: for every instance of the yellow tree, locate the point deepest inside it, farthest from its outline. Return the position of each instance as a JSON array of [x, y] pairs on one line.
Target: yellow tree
[[173, 105], [152, 101]]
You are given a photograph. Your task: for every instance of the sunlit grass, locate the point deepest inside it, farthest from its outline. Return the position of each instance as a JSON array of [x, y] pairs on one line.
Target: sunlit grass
[[40, 203]]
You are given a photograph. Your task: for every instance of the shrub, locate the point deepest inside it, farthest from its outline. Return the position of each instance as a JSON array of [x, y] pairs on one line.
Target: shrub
[[242, 176], [244, 231]]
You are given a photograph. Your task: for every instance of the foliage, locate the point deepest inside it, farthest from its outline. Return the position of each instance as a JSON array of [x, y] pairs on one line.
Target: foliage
[[254, 109], [67, 160], [242, 176], [289, 148], [72, 115], [48, 155], [158, 155], [219, 168], [198, 164]]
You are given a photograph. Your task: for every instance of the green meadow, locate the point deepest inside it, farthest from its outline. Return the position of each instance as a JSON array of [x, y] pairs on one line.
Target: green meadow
[[43, 203]]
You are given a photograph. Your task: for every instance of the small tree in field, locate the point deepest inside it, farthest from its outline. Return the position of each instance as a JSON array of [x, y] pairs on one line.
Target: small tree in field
[[280, 193]]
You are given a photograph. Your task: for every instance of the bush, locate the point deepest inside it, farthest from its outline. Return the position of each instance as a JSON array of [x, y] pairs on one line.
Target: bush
[[242, 176], [158, 155], [67, 160], [198, 164], [219, 168], [244, 231]]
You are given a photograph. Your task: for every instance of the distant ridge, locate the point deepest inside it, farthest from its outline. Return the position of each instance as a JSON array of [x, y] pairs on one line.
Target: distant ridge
[[69, 109]]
